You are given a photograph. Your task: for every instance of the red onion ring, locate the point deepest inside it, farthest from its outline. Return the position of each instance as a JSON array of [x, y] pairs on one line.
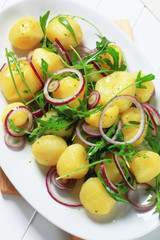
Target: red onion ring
[[70, 98], [60, 52], [142, 207], [98, 68], [93, 99], [90, 130], [11, 113], [142, 123], [155, 130], [78, 127], [122, 173], [36, 72], [106, 179], [2, 68], [52, 190], [63, 185], [64, 50], [87, 50], [53, 86], [154, 112], [17, 144]]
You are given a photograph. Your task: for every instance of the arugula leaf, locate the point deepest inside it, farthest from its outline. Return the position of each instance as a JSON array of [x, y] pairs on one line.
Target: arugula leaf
[[140, 80], [43, 22], [44, 66], [112, 193], [153, 142]]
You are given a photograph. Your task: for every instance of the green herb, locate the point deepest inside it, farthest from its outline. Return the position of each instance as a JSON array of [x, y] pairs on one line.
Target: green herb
[[44, 68], [125, 126], [140, 80], [43, 22], [112, 193]]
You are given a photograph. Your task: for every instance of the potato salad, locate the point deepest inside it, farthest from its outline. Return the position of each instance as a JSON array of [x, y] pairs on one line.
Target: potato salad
[[87, 118]]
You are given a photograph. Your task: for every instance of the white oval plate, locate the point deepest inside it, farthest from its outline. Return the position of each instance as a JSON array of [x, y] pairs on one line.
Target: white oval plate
[[29, 178]]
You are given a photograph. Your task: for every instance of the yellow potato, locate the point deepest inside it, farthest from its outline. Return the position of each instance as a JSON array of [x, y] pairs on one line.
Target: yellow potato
[[53, 60], [145, 167], [61, 133], [48, 149], [26, 33], [19, 118], [111, 170], [68, 86], [143, 95], [94, 76], [56, 30], [31, 79], [74, 157], [108, 56], [111, 85], [94, 197], [110, 117], [132, 114]]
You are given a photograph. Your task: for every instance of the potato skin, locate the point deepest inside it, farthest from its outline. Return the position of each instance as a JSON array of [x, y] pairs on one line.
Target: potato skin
[[111, 85], [53, 60], [7, 85], [18, 118], [132, 114], [48, 149], [56, 30], [73, 157], [143, 95], [61, 133], [145, 168], [68, 86], [26, 33], [94, 197], [109, 118]]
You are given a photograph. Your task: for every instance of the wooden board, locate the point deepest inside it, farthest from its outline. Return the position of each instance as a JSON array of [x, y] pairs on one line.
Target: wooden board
[[6, 186]]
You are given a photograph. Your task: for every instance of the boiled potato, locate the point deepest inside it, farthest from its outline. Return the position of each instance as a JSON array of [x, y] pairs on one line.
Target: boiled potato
[[94, 197], [74, 157], [108, 56], [31, 79], [132, 114], [110, 86], [48, 149], [61, 133], [145, 167], [53, 60], [143, 95], [109, 118], [18, 118], [68, 86], [94, 76], [55, 29], [26, 33], [111, 170]]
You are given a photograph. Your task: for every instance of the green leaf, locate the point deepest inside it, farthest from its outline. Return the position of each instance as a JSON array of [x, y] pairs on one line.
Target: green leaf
[[44, 68], [43, 22], [120, 136]]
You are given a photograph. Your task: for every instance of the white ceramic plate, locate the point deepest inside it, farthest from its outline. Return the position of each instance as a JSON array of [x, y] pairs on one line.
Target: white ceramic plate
[[29, 178]]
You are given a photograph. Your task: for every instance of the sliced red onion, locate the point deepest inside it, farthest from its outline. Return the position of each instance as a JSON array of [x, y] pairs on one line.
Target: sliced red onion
[[154, 112], [15, 143], [2, 68], [29, 55], [53, 86], [154, 131], [142, 123], [54, 191], [64, 50], [90, 130], [78, 131], [122, 173], [93, 99], [28, 126], [66, 184], [106, 179], [142, 207], [60, 52], [87, 50], [36, 72], [78, 91], [98, 68]]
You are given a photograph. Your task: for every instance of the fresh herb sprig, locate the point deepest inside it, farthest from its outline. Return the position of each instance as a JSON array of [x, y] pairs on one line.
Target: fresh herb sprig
[[43, 22]]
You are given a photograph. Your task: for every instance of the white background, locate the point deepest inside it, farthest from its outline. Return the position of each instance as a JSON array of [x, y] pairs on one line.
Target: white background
[[18, 220]]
